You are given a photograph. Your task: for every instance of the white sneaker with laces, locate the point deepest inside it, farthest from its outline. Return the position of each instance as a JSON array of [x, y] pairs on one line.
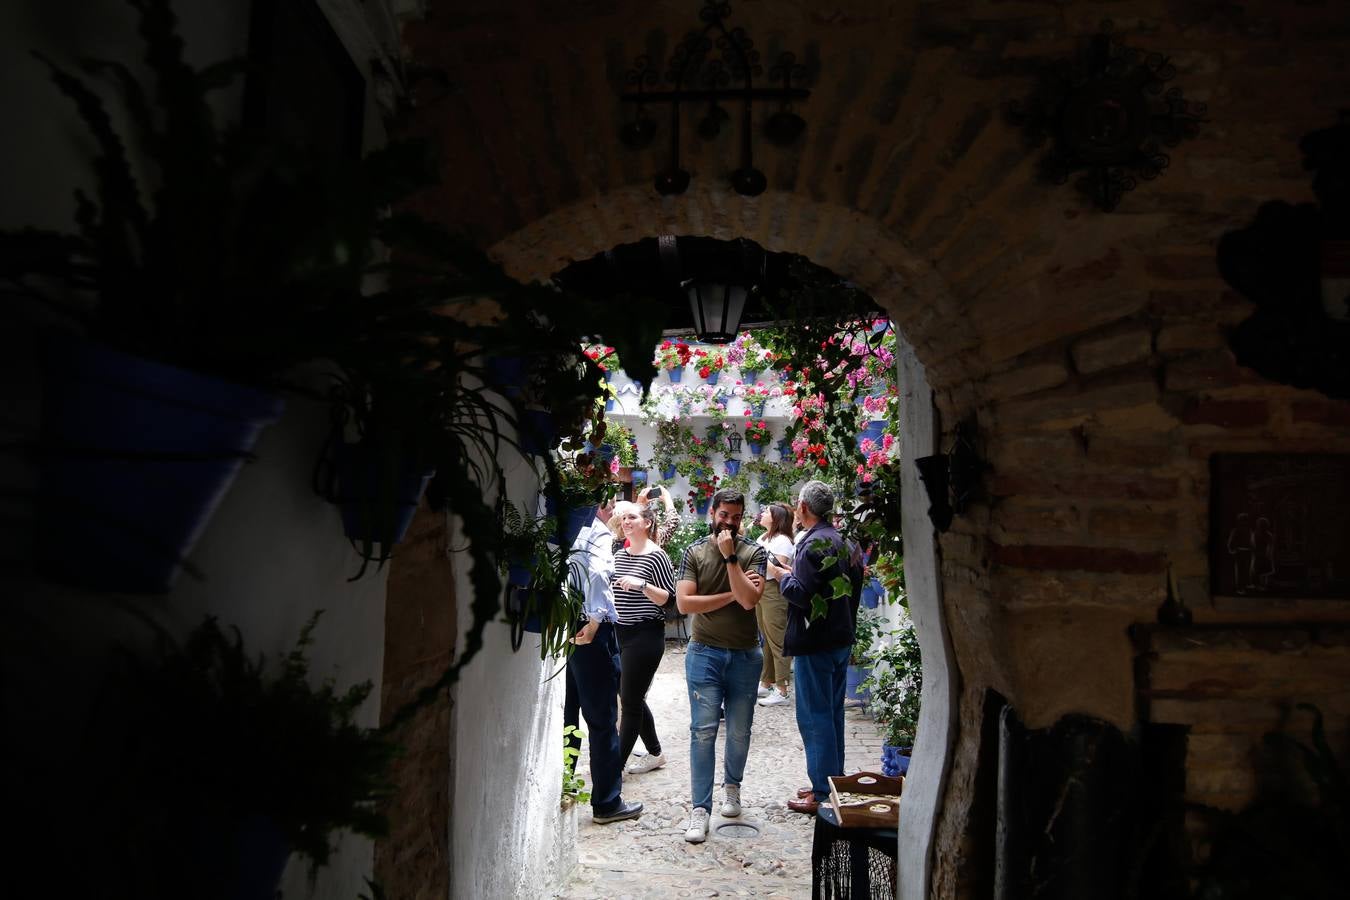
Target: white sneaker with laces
[[697, 832], [731, 802], [646, 763], [775, 698], [763, 691]]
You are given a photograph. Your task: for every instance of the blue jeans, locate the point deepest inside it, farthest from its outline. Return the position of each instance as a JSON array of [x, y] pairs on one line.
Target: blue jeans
[[717, 677], [820, 681]]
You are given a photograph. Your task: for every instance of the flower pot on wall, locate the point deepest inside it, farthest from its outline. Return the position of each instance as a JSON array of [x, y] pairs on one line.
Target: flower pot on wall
[[733, 466], [755, 449], [137, 456], [712, 377], [749, 377], [784, 449], [378, 494], [573, 521], [522, 606], [668, 472], [676, 374], [701, 505], [538, 431], [639, 478], [872, 432]]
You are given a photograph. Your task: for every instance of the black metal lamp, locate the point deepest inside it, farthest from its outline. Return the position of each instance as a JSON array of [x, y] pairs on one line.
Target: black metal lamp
[[717, 309], [718, 298], [734, 443]]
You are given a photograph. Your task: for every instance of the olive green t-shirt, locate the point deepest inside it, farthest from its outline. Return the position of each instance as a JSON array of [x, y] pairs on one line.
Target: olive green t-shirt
[[732, 627]]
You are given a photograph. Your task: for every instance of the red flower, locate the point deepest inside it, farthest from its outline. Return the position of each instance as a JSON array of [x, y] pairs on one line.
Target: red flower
[[665, 345], [746, 413], [704, 371], [821, 462]]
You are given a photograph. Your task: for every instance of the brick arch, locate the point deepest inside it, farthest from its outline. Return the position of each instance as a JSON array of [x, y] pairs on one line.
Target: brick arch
[[844, 240], [858, 248]]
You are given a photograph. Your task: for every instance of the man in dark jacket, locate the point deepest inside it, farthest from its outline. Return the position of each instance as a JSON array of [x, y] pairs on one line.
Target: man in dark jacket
[[822, 611]]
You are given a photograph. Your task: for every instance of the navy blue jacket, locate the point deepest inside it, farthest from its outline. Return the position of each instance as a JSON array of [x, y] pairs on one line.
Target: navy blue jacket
[[808, 579]]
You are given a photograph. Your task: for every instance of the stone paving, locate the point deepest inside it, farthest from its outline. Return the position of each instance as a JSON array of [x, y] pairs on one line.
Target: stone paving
[[649, 858]]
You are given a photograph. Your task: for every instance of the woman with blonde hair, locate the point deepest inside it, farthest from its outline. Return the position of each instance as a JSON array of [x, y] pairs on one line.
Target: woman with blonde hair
[[644, 582], [776, 518]]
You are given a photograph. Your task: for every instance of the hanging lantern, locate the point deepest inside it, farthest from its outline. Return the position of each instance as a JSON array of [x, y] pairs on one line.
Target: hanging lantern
[[717, 309], [734, 443]]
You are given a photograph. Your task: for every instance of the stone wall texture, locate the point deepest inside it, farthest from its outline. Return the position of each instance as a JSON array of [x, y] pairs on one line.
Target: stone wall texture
[[1089, 346], [419, 635]]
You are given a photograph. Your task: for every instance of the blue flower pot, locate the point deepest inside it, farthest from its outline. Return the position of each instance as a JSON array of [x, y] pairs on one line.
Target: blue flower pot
[[733, 466], [784, 449], [873, 431], [538, 432], [639, 478], [517, 601], [853, 681], [676, 374], [507, 374], [755, 449], [668, 472], [378, 496], [894, 761], [712, 377], [137, 456], [757, 409], [749, 377], [518, 575], [609, 404], [573, 521], [701, 506], [239, 857], [872, 593]]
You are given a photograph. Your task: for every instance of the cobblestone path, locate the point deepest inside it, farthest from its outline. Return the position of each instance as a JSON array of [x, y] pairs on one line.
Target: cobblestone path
[[648, 858]]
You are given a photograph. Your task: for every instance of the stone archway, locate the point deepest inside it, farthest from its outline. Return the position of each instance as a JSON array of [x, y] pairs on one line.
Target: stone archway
[[860, 249]]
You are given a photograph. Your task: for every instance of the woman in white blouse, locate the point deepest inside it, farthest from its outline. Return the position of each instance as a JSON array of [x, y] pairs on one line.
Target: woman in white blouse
[[771, 611]]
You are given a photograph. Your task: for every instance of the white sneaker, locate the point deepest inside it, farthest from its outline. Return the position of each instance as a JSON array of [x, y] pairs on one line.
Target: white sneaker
[[731, 802], [763, 691], [697, 832], [646, 763], [775, 698]]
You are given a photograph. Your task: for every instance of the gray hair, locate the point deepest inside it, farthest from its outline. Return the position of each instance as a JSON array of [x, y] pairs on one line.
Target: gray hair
[[818, 497]]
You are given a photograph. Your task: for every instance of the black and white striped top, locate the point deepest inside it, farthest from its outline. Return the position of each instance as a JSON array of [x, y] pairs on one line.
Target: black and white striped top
[[654, 566]]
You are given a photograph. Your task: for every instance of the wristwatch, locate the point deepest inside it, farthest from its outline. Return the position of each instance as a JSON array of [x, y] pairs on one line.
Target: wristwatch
[[730, 558]]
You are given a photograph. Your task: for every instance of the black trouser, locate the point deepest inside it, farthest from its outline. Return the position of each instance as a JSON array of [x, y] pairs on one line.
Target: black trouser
[[591, 678], [640, 649]]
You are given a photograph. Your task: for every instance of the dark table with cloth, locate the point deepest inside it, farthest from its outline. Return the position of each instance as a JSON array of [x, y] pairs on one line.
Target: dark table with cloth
[[852, 863]]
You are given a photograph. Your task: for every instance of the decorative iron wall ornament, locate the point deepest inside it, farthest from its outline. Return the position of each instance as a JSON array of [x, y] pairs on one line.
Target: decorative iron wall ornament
[[1109, 114], [1293, 262], [714, 65], [952, 479]]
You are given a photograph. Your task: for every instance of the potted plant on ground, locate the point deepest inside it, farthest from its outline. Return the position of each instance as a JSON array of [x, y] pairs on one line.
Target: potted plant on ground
[[237, 762], [866, 630], [894, 687]]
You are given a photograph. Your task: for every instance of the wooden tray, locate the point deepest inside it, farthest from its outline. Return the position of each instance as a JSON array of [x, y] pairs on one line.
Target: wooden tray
[[883, 812]]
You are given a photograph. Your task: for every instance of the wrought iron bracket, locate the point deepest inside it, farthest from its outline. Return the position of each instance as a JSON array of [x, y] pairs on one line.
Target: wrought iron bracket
[[1108, 114], [952, 479], [696, 75]]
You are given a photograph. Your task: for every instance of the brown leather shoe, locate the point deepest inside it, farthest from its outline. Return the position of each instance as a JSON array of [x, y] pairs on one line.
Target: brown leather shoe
[[805, 807], [804, 793]]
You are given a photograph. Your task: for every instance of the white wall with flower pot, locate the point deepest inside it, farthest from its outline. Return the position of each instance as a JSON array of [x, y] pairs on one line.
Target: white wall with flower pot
[[272, 553], [626, 410], [509, 835]]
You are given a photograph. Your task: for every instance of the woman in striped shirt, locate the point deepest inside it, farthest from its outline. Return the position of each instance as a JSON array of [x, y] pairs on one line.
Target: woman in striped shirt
[[644, 582]]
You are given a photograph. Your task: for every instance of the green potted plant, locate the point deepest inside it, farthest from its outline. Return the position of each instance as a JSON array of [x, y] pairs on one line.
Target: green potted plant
[[238, 761], [894, 686], [867, 627]]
